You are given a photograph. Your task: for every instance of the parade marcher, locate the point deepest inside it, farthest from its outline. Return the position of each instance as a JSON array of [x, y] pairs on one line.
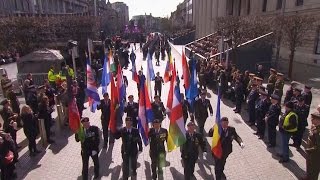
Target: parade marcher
[[288, 125], [313, 149], [45, 113], [158, 82], [239, 95], [228, 135], [271, 81], [190, 150], [186, 109], [262, 107], [157, 55], [278, 86], [52, 77], [89, 147], [272, 119], [15, 104], [131, 146], [158, 108], [302, 111], [157, 137], [6, 84], [307, 94], [30, 128], [131, 109], [289, 92], [105, 106], [251, 100], [201, 111]]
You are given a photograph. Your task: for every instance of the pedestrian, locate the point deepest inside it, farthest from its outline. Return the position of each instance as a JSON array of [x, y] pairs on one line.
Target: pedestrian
[[158, 82], [201, 111], [105, 107], [302, 110], [239, 95], [131, 146], [131, 108], [262, 107], [190, 150], [278, 86], [287, 127], [89, 147], [157, 137], [272, 119], [186, 109], [8, 117], [289, 92], [313, 149], [158, 108], [227, 136], [251, 100], [30, 128], [45, 112], [15, 104], [271, 81]]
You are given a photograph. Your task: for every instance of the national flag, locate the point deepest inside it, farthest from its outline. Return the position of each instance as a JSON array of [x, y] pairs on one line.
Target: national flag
[[217, 130], [105, 80], [171, 90], [166, 76], [177, 131], [193, 89], [171, 62], [150, 67], [135, 76], [113, 67], [185, 72], [92, 90], [121, 90], [74, 116], [114, 104]]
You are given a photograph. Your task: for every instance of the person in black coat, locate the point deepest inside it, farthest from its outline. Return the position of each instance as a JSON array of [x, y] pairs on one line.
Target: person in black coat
[[157, 137], [252, 98], [239, 95], [9, 120], [186, 109], [190, 150], [272, 119], [45, 113], [158, 82], [158, 108], [262, 107], [90, 141], [227, 136], [15, 104], [289, 92], [201, 111], [131, 109], [131, 141], [8, 157], [307, 94], [30, 128], [104, 106]]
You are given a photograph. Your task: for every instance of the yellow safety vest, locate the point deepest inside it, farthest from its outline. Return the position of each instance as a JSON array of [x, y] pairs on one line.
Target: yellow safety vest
[[71, 73], [286, 122], [51, 76]]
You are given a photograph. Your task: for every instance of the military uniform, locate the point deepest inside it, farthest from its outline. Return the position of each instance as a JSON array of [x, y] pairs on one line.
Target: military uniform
[[289, 95], [158, 110], [302, 112], [271, 83], [239, 95], [252, 98], [262, 107], [201, 112], [278, 87], [186, 108], [272, 119], [132, 111], [158, 81], [190, 152], [105, 107], [157, 150]]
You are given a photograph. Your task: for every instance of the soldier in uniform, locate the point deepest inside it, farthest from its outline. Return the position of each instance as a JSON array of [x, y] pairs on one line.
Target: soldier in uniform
[[239, 95], [190, 150], [296, 95], [262, 107], [252, 98], [158, 81], [271, 81], [157, 137], [251, 82], [105, 107], [131, 141], [186, 109], [258, 81], [158, 108], [89, 147], [201, 111], [289, 92], [131, 109], [272, 119], [313, 149], [302, 111], [307, 94], [278, 87]]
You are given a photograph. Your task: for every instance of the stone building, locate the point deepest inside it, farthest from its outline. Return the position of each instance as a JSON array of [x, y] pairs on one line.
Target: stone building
[[123, 12]]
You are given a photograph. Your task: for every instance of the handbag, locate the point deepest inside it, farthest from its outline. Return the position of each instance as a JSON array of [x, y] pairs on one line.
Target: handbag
[[9, 158]]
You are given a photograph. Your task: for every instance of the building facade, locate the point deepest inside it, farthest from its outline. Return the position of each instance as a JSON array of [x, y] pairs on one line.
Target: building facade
[[123, 12], [148, 23], [183, 15]]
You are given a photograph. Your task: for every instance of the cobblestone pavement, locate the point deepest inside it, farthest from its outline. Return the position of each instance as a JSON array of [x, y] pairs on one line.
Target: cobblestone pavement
[[62, 160]]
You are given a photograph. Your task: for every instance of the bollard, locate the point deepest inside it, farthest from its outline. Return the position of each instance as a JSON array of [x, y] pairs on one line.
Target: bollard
[[43, 134], [59, 119]]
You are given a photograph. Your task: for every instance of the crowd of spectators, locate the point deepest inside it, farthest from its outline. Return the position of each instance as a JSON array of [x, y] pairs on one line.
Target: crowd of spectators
[[206, 47], [182, 32], [8, 57]]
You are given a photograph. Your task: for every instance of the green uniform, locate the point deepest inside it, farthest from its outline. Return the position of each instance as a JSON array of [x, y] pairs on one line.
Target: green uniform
[[271, 83], [313, 153], [278, 87]]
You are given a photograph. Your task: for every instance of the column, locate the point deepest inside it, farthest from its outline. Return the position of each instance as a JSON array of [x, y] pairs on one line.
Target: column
[[209, 16]]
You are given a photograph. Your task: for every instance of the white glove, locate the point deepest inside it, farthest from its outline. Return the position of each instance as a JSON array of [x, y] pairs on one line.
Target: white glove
[[94, 153], [242, 145]]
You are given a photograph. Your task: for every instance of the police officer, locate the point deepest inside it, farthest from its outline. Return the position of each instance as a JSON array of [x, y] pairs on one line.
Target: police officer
[[52, 77], [272, 119], [131, 141], [89, 147], [302, 111], [158, 82], [131, 109], [262, 107], [190, 150], [105, 106], [252, 98], [157, 137], [289, 92], [158, 108], [271, 81], [186, 108], [313, 149], [287, 127], [201, 111], [278, 86]]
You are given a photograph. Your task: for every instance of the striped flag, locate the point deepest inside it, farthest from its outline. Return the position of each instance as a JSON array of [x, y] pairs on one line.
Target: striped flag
[[113, 67], [74, 116], [185, 72], [177, 131], [114, 104], [150, 67], [166, 76], [217, 130], [171, 90], [121, 90], [92, 90], [105, 80]]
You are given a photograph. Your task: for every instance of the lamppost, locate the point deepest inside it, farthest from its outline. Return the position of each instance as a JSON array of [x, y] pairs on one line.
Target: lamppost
[[73, 46]]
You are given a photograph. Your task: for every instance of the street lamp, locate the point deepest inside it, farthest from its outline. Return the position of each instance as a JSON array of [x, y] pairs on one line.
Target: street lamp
[[72, 46]]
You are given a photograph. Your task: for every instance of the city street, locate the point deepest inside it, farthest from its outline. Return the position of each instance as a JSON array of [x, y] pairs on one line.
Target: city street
[[62, 160]]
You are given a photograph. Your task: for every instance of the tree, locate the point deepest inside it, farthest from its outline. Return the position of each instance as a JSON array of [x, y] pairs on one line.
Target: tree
[[296, 26]]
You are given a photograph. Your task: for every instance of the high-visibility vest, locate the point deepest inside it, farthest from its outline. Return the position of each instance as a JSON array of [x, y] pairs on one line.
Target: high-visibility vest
[[51, 76], [71, 72], [286, 122]]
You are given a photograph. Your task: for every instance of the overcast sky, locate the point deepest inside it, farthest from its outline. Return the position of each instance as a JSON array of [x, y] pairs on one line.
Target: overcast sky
[[158, 8]]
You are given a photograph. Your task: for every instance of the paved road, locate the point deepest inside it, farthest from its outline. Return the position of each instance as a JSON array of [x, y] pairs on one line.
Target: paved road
[[63, 161]]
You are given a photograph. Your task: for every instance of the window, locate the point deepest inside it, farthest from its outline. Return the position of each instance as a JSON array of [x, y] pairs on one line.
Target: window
[[239, 9], [248, 7], [279, 4], [264, 5], [317, 48], [299, 2], [230, 7]]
